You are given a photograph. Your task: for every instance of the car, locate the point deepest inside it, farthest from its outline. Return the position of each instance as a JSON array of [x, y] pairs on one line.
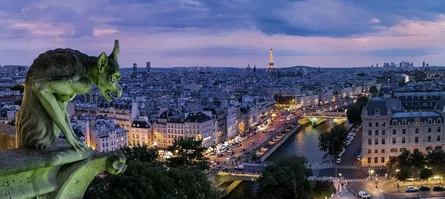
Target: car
[[252, 143], [239, 167], [359, 157], [424, 188], [364, 194], [220, 155], [240, 145], [438, 188], [411, 189], [243, 149], [338, 161]]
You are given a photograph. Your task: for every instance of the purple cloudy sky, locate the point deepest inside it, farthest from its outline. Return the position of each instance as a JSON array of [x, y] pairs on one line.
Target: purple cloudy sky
[[228, 32]]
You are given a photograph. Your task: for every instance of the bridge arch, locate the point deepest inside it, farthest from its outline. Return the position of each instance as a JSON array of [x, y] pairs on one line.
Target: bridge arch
[[306, 120]]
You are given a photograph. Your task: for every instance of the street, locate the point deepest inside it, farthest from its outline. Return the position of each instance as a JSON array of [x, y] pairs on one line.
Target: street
[[257, 139]]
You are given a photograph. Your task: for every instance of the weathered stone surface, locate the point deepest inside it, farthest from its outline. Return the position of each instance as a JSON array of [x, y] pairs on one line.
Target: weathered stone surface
[[61, 173]]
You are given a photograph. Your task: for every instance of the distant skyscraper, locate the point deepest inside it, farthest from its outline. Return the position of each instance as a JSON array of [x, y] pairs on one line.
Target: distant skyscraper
[[254, 68], [271, 66], [148, 66], [423, 64], [377, 65], [248, 67]]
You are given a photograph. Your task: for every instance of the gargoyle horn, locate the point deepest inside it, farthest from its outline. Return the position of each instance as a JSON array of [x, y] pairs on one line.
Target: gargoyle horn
[[116, 50]]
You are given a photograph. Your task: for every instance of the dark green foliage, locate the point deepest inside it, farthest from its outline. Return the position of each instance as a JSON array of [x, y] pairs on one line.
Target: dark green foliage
[[436, 160], [425, 174], [361, 74], [19, 87], [417, 164], [323, 189], [188, 152], [403, 174], [145, 178], [140, 154], [354, 112], [285, 179], [332, 142], [373, 90], [145, 181]]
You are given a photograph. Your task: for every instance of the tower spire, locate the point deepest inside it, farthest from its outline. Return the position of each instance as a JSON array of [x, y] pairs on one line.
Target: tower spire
[[271, 65]]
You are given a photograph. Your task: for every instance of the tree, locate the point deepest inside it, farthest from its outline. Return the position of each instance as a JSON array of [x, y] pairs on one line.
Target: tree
[[403, 174], [404, 159], [425, 174], [436, 159], [363, 100], [373, 90], [361, 74], [354, 114], [141, 153], [285, 178], [187, 152], [332, 142], [402, 83], [392, 165], [324, 189], [18, 87], [417, 160], [276, 183], [147, 180]]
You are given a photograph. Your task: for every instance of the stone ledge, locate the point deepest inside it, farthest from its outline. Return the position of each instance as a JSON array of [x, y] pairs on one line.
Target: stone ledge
[[55, 173]]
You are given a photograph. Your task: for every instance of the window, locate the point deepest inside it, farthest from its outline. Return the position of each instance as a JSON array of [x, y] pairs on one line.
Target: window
[[393, 140], [383, 140], [429, 129], [376, 124], [376, 132], [376, 160], [376, 151], [383, 124], [429, 148], [416, 139], [438, 138], [383, 159], [370, 124], [383, 150], [369, 151], [369, 141], [417, 130], [429, 138], [369, 132], [393, 150], [403, 122], [394, 131], [438, 129], [403, 131], [383, 132], [403, 140], [369, 160], [438, 147], [376, 141]]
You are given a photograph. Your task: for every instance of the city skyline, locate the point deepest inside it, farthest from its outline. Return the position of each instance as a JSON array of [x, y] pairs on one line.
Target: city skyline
[[230, 33]]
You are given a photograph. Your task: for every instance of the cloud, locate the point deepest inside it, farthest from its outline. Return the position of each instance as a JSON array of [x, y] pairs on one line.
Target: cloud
[[375, 20], [230, 32]]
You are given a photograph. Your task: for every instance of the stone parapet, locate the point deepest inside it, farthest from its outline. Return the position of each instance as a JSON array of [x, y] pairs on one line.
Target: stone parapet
[[59, 173]]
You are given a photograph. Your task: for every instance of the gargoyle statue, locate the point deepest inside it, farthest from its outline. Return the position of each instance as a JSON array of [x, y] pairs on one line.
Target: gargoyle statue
[[54, 79]]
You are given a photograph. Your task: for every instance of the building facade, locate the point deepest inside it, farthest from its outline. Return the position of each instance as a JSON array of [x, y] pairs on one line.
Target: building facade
[[388, 129], [141, 132]]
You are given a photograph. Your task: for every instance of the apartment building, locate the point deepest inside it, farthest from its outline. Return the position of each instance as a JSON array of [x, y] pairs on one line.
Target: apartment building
[[141, 132], [389, 129]]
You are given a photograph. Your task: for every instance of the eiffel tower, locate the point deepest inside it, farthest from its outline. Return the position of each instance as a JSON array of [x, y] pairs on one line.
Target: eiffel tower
[[271, 66]]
